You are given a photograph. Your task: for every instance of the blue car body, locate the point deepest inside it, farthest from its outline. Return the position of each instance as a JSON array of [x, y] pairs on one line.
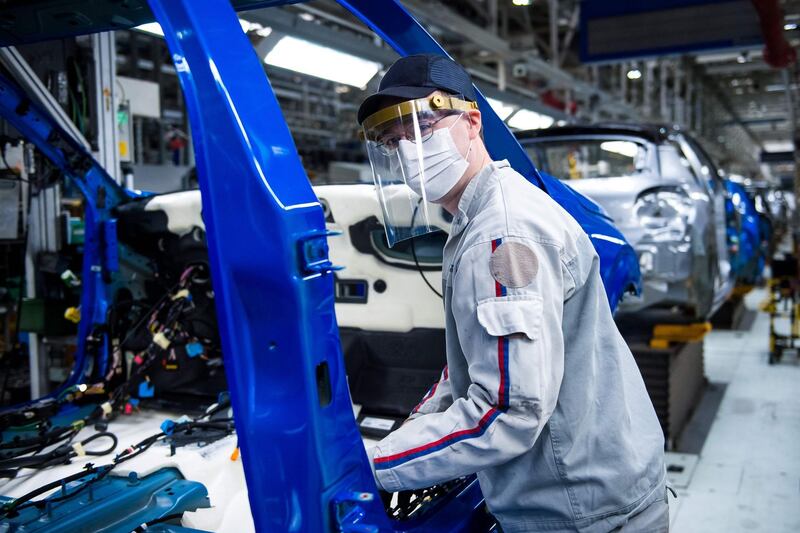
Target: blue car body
[[765, 231], [744, 234], [302, 452]]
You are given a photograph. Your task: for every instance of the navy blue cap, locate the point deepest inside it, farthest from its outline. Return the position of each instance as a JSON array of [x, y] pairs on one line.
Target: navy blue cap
[[418, 76]]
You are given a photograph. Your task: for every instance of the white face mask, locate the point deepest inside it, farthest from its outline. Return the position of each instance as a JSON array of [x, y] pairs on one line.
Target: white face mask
[[441, 164]]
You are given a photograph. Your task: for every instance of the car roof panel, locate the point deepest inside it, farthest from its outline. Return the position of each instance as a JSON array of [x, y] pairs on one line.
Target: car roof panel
[[654, 133]]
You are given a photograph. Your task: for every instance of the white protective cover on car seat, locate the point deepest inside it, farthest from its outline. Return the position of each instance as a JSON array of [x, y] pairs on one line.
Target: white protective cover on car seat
[[183, 210]]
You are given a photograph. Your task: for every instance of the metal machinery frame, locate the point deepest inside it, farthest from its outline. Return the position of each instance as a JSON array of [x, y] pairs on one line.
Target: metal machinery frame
[[302, 453], [105, 72], [101, 194], [783, 304], [34, 89]]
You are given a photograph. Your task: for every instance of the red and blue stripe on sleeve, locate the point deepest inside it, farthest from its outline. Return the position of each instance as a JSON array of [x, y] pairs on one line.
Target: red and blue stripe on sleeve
[[431, 392], [502, 346], [397, 459]]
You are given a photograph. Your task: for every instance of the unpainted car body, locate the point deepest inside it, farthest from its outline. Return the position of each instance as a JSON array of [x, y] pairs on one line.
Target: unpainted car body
[[665, 196]]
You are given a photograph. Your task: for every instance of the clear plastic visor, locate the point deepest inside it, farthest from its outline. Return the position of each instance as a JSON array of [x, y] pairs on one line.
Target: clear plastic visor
[[410, 149]]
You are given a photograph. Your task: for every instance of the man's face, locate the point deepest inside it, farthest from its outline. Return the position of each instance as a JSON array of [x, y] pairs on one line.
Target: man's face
[[427, 123]]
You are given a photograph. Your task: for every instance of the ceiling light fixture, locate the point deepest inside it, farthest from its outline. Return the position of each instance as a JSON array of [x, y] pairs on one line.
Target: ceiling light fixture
[[502, 109], [525, 119], [626, 148], [322, 62], [521, 2], [153, 28], [634, 74]]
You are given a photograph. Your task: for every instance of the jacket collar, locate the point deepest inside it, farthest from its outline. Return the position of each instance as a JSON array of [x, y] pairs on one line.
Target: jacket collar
[[470, 200]]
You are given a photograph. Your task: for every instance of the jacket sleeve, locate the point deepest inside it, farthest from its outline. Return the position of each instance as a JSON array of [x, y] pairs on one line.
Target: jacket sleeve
[[507, 302], [438, 398]]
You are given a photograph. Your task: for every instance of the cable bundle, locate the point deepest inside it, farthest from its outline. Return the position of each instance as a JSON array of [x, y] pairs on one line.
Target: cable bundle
[[97, 473]]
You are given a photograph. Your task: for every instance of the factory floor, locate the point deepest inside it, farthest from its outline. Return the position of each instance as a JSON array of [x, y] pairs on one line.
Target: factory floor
[[746, 474]]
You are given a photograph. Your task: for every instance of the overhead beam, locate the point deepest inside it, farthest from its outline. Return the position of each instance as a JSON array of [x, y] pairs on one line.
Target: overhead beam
[[24, 75], [573, 25], [552, 14], [487, 84], [771, 121], [284, 21], [436, 13], [735, 69], [731, 111]]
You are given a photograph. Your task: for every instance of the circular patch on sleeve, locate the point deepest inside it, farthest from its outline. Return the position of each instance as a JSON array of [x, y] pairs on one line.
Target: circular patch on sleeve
[[514, 265]]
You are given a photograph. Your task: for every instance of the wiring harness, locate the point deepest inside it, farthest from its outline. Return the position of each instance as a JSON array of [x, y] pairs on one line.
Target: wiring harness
[[92, 474], [173, 342], [32, 451], [47, 445], [60, 455], [409, 504], [39, 444]]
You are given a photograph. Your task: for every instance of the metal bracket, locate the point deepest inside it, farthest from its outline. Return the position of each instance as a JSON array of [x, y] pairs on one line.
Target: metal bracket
[[314, 253], [25, 76], [665, 334]]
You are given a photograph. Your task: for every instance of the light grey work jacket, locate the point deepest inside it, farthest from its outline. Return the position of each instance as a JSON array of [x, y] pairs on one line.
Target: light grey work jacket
[[541, 396]]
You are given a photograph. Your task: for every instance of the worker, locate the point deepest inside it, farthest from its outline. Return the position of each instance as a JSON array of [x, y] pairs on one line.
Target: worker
[[541, 397]]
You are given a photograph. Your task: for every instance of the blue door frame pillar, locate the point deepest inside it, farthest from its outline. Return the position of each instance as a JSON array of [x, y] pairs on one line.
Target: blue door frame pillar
[[274, 289]]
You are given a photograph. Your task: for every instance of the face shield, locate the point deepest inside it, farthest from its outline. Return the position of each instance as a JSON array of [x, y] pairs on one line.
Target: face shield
[[418, 151]]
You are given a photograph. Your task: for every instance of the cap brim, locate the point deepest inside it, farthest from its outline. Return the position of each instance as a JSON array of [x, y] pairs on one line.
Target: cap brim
[[389, 96]]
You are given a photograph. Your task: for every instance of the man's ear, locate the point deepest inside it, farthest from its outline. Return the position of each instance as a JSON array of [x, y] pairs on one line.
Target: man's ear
[[475, 123]]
